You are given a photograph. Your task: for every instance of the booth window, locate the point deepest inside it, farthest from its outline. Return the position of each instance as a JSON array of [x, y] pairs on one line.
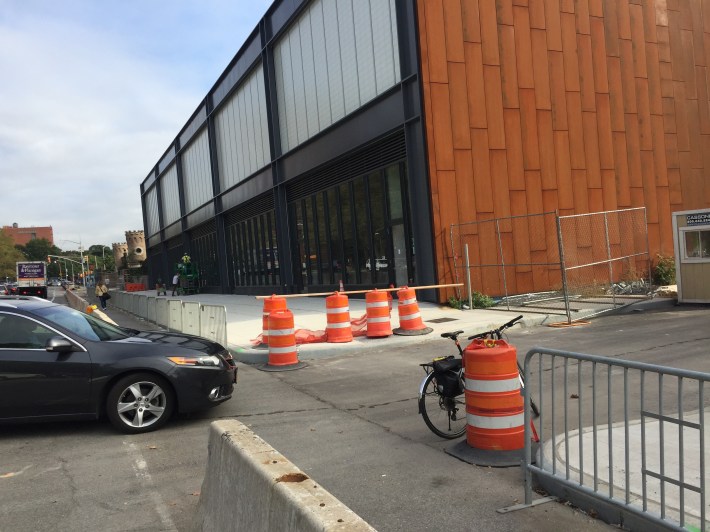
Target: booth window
[[697, 244]]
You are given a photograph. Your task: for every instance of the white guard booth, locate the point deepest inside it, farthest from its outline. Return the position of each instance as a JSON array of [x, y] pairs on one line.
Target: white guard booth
[[691, 240]]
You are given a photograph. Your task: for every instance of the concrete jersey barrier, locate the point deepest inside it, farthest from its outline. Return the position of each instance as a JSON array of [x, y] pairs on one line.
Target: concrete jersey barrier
[[249, 485]]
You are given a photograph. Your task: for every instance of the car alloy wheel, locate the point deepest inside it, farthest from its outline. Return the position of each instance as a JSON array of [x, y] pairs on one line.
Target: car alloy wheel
[[140, 403]]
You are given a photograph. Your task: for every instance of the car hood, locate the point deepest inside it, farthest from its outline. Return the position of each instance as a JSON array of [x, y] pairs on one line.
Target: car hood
[[185, 341]]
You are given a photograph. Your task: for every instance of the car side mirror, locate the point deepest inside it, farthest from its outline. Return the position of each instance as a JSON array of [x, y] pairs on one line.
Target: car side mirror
[[57, 344]]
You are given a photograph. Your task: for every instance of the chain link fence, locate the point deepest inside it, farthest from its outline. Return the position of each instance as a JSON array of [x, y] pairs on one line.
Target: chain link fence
[[576, 266]]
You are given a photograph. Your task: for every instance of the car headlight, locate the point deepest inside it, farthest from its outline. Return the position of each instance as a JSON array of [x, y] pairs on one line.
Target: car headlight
[[206, 360]]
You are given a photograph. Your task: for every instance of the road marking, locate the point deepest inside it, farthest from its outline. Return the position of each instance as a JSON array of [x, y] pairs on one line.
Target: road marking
[[140, 466], [15, 473]]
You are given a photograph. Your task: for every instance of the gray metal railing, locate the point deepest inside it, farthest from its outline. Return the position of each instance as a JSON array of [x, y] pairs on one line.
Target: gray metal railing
[[626, 438]]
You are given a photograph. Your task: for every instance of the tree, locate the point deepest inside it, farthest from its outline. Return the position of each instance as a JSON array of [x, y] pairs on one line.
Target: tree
[[38, 249], [9, 255]]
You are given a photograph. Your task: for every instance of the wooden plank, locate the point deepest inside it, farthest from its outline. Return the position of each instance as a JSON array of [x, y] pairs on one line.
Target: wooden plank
[[644, 114], [466, 190], [638, 41], [659, 151], [549, 200], [674, 188], [696, 149], [548, 173], [623, 18], [533, 191], [663, 44], [471, 21], [621, 166], [537, 14], [489, 32], [688, 65], [436, 42], [508, 66], [499, 179], [576, 131], [540, 69], [616, 97], [476, 89], [672, 157], [494, 106], [596, 8], [681, 116], [591, 149], [703, 103], [528, 119], [453, 27], [611, 28], [458, 96], [579, 190], [596, 199], [633, 150], [523, 49], [628, 84], [514, 149], [567, 6], [586, 72], [481, 170], [654, 80], [558, 95], [669, 125], [541, 276], [552, 24], [666, 71], [569, 49], [441, 116], [504, 12], [609, 190], [582, 15], [665, 223], [521, 231], [606, 145], [649, 21], [601, 80], [649, 186], [565, 195]]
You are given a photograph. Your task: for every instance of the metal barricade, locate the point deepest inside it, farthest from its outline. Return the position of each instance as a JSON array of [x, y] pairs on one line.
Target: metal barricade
[[191, 317], [622, 437], [213, 323]]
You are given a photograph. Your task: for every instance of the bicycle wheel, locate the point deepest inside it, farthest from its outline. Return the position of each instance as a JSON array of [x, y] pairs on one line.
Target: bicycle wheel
[[445, 416]]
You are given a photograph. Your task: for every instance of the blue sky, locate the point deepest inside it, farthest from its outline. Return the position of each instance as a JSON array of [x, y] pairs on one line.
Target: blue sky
[[92, 92]]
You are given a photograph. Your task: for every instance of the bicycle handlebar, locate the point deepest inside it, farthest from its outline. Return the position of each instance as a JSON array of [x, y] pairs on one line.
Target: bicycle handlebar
[[496, 333]]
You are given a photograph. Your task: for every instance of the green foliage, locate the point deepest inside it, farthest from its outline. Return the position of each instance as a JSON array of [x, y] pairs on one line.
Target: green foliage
[[38, 249], [9, 255], [664, 270], [479, 301]]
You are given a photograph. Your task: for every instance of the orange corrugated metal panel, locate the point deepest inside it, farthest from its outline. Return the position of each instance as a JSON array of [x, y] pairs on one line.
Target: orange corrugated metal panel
[[523, 48], [664, 214], [703, 103], [611, 27], [436, 41], [499, 179], [616, 97], [514, 145], [458, 94], [669, 125], [696, 148], [533, 192], [453, 28], [549, 200], [541, 72], [504, 12], [489, 32], [465, 187], [476, 89], [596, 199], [609, 190], [591, 149], [623, 17], [441, 118], [537, 14], [601, 80], [644, 114], [649, 186], [541, 276], [628, 84], [548, 171], [481, 170], [558, 95], [524, 3], [638, 40], [564, 170], [567, 6], [494, 107], [664, 47], [606, 146], [582, 14], [621, 166], [471, 21], [579, 188], [552, 23], [659, 151], [508, 65], [672, 159], [569, 49], [681, 116], [576, 133], [586, 72], [649, 20], [655, 99], [633, 150], [596, 8], [528, 123]]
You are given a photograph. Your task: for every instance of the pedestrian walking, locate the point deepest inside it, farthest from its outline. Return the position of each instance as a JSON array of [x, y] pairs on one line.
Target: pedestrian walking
[[176, 281], [102, 293]]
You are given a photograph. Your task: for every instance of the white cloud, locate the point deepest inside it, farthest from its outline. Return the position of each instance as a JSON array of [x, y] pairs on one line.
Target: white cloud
[[92, 94]]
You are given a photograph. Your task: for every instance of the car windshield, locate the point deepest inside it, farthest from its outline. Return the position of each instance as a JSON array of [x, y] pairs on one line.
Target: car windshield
[[84, 325]]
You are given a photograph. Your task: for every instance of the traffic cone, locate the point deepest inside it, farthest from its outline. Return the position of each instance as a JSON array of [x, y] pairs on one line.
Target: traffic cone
[[410, 319], [378, 316], [283, 352]]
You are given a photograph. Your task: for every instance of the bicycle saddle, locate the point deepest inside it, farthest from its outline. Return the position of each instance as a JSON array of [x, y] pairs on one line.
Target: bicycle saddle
[[451, 335]]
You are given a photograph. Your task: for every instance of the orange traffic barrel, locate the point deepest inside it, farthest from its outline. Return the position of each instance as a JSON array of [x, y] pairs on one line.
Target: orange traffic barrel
[[338, 328], [410, 319], [494, 405], [271, 304], [378, 314], [282, 339]]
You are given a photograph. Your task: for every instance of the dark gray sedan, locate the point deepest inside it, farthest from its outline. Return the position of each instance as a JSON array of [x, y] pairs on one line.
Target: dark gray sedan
[[57, 363]]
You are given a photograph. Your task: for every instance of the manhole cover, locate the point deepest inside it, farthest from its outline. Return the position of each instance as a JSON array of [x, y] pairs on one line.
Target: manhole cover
[[441, 320]]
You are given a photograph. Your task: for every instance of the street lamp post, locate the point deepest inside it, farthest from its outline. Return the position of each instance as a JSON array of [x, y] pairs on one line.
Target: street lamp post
[[81, 253]]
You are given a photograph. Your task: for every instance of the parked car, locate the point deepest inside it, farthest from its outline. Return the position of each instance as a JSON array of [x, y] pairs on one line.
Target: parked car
[[57, 363]]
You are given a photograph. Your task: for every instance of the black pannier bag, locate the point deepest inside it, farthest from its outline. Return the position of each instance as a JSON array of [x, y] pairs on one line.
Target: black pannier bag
[[447, 371]]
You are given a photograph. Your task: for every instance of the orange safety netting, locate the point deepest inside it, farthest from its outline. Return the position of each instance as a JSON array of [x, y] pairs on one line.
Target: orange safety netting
[[307, 336]]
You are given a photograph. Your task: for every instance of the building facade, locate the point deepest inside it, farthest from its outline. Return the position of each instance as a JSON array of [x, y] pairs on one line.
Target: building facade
[[22, 235], [347, 137]]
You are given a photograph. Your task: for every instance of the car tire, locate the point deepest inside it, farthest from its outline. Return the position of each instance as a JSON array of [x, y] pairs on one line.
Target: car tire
[[140, 402]]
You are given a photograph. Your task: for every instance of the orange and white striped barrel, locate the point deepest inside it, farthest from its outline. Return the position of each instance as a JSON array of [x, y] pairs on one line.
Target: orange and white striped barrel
[[282, 339], [339, 328], [378, 314], [271, 304], [494, 405], [410, 319]]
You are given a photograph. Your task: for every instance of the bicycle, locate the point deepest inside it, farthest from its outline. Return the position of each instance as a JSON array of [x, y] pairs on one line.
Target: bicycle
[[443, 387]]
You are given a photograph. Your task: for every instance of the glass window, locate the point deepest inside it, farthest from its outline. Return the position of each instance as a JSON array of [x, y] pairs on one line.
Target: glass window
[[336, 244], [17, 332], [697, 244], [84, 325], [394, 192], [348, 240], [323, 253], [311, 242], [379, 230]]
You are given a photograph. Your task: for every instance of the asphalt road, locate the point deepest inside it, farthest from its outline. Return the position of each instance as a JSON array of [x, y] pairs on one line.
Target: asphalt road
[[350, 422]]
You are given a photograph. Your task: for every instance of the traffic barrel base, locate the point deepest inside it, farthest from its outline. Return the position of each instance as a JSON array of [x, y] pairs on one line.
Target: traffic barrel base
[[410, 319], [482, 457]]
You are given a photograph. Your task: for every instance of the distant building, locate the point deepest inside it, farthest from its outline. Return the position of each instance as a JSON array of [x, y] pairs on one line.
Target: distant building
[[22, 235], [133, 247]]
